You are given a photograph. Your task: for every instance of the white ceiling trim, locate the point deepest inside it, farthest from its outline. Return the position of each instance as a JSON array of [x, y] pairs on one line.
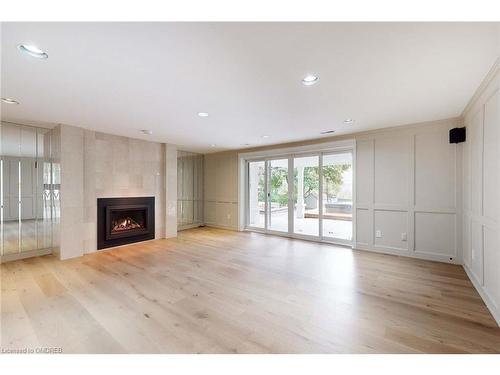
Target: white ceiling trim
[[342, 145]]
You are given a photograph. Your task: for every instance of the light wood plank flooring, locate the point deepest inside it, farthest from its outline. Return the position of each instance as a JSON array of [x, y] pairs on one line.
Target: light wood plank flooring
[[216, 291]]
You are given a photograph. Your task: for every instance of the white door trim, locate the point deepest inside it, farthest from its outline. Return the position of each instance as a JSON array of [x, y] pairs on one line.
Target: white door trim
[[290, 152]]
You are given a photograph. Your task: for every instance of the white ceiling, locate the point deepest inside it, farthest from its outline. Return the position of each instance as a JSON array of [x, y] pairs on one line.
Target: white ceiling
[[122, 77]]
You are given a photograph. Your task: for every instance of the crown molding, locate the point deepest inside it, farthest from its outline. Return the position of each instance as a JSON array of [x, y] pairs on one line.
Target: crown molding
[[495, 69]]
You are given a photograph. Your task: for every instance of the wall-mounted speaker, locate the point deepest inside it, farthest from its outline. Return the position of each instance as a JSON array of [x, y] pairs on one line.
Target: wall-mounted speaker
[[457, 135]]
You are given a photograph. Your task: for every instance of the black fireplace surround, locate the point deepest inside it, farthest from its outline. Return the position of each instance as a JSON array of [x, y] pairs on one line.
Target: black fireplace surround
[[125, 220]]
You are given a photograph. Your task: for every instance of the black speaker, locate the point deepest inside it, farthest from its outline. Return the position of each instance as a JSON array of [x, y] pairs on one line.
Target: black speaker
[[457, 135]]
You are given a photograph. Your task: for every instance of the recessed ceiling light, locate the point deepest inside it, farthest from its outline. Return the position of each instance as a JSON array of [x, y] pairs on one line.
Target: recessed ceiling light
[[202, 114], [33, 51], [9, 101], [348, 121], [213, 145], [265, 136], [310, 80], [146, 131], [245, 144], [328, 132]]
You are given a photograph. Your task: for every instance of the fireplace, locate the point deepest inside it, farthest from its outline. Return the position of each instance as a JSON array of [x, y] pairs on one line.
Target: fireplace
[[124, 220]]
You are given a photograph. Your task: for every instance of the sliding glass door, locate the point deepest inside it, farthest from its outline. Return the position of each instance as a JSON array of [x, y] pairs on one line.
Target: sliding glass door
[[257, 194], [337, 196], [277, 206], [305, 196]]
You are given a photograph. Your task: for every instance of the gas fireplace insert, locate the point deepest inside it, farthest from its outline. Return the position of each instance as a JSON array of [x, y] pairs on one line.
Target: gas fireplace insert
[[124, 220]]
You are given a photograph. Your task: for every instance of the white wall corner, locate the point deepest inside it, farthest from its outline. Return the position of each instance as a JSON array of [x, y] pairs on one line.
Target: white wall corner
[[480, 184], [242, 183], [170, 190], [72, 192], [495, 312]]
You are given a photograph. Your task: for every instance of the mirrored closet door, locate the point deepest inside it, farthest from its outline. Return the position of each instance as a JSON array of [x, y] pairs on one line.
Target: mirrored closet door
[[27, 191], [189, 190]]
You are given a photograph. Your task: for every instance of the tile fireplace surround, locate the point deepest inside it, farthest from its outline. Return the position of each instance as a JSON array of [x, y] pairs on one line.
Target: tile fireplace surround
[[98, 165]]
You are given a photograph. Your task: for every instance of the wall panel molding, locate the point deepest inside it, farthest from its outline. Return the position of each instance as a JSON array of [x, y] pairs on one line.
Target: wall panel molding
[[419, 167], [221, 190], [481, 184]]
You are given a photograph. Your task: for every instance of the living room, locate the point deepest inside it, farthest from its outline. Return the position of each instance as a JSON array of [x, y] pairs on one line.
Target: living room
[[250, 187]]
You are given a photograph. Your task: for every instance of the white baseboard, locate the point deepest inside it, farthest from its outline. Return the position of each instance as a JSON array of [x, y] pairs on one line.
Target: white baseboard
[[221, 227], [190, 226], [408, 254], [24, 255], [487, 300]]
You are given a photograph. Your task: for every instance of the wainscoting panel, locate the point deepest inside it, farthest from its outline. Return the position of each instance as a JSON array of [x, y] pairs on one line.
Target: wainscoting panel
[[391, 225], [407, 189], [221, 190], [363, 228], [435, 161], [435, 233], [481, 186], [364, 172], [391, 170]]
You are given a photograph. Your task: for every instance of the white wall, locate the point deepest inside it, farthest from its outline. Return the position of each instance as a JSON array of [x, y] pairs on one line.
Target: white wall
[[481, 190], [221, 190], [72, 232], [407, 185], [189, 190], [170, 190], [408, 181]]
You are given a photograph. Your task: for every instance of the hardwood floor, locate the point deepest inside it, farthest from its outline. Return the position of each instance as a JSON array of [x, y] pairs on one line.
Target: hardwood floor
[[216, 291]]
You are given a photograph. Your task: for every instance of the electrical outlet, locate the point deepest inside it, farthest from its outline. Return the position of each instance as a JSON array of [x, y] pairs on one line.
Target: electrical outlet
[[378, 233], [404, 236], [229, 216]]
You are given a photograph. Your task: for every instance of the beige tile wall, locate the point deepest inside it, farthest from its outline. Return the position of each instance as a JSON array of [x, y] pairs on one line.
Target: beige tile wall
[[121, 167], [98, 165]]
